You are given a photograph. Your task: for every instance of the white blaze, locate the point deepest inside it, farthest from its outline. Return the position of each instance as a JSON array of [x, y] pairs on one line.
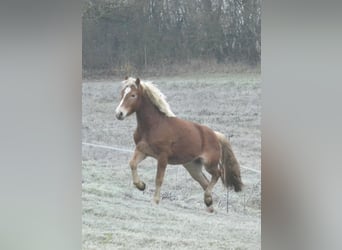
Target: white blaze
[[118, 109]]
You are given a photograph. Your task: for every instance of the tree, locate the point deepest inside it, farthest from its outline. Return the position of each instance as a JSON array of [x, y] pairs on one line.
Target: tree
[[138, 34]]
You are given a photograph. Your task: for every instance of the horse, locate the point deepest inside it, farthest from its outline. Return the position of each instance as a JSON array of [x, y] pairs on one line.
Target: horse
[[171, 140]]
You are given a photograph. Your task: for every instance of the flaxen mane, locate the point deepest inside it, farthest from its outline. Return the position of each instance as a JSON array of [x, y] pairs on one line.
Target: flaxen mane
[[154, 94]]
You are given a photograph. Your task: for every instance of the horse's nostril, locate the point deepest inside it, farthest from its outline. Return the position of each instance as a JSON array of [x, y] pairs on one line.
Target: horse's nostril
[[119, 115]]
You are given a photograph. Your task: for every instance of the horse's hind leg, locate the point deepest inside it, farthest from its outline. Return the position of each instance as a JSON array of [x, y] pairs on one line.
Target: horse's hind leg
[[136, 159], [195, 170], [215, 175]]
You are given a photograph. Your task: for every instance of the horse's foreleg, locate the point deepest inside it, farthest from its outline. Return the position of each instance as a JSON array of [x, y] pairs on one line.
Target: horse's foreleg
[[136, 159], [162, 163]]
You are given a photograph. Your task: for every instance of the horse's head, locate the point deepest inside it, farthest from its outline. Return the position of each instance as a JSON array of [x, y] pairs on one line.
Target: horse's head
[[130, 98]]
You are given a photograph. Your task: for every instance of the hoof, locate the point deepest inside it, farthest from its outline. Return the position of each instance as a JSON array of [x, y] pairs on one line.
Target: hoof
[[208, 200], [141, 186]]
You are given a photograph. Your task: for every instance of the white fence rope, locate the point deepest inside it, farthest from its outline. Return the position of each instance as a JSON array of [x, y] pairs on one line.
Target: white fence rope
[[131, 151], [108, 147]]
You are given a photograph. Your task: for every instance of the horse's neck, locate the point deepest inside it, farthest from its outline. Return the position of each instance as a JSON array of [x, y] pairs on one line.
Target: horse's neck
[[148, 115]]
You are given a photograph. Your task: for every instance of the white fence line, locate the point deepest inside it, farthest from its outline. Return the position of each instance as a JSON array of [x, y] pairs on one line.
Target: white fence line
[[131, 151], [107, 147]]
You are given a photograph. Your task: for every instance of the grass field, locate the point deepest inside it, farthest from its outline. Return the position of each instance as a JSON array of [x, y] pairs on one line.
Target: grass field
[[118, 216]]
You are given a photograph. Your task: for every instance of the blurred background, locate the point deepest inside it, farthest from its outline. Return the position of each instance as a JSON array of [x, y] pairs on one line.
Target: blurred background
[[126, 37], [40, 139]]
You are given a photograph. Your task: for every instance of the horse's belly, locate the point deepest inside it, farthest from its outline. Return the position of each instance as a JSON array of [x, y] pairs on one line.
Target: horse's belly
[[173, 160], [182, 155], [178, 160]]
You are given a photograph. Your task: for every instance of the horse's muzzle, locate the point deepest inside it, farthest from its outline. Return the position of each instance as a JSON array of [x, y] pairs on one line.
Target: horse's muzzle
[[119, 116]]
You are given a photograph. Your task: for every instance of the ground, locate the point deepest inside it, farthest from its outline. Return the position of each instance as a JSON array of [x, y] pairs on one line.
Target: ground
[[118, 216]]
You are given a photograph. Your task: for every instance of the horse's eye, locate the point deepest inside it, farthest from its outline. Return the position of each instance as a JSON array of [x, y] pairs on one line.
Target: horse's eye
[[133, 95]]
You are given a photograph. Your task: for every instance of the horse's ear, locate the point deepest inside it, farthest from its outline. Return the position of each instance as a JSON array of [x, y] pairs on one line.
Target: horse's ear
[[137, 82], [126, 77]]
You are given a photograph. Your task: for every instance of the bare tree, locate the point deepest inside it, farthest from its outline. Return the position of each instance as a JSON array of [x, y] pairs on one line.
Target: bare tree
[[138, 34]]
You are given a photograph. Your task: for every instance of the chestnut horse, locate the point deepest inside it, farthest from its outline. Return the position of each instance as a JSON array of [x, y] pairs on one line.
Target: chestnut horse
[[171, 140]]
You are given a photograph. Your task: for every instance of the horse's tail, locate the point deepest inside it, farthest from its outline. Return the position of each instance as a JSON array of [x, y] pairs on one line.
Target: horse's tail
[[230, 168]]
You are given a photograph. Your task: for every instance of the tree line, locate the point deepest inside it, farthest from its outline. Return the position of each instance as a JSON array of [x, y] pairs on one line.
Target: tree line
[[148, 33]]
